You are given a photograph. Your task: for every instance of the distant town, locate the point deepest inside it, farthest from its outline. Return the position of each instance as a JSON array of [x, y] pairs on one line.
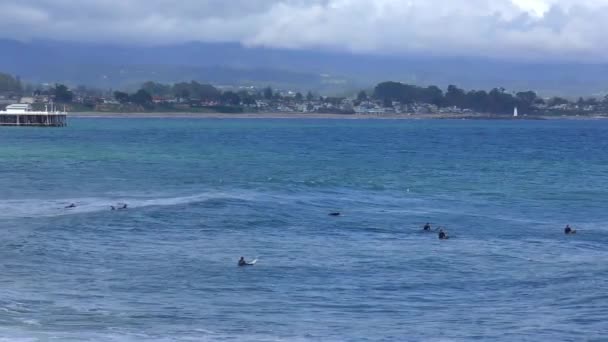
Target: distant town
[[392, 98]]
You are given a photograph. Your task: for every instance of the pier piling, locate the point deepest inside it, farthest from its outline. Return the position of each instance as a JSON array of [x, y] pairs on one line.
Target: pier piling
[[44, 120]]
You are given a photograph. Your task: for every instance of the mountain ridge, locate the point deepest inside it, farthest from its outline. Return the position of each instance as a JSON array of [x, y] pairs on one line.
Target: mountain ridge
[[229, 63]]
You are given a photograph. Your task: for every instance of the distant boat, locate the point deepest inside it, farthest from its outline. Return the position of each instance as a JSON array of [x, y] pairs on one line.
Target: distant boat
[[515, 114]]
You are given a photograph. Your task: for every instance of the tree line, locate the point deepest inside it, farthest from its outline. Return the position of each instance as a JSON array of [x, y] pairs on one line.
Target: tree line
[[189, 91], [496, 101], [13, 84]]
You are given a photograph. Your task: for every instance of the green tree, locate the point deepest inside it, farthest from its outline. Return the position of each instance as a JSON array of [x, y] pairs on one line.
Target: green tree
[[525, 100], [527, 97], [62, 94], [556, 101], [230, 98], [182, 90], [184, 94], [455, 97], [299, 97], [362, 96], [207, 92], [121, 97], [405, 93], [309, 96], [500, 102], [142, 97], [390, 91], [268, 94], [195, 90], [476, 100], [156, 89], [432, 95]]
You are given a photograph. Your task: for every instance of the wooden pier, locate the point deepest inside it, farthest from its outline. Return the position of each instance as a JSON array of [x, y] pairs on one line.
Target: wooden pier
[[44, 120]]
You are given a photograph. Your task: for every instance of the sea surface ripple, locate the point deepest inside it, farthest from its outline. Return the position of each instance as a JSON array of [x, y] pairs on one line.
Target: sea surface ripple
[[203, 192]]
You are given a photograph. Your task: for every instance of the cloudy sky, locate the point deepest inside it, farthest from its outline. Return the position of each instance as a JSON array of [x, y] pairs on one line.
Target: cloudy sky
[[554, 29]]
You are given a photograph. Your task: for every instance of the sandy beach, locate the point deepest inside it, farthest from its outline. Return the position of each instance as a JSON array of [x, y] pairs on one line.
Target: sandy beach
[[266, 115]]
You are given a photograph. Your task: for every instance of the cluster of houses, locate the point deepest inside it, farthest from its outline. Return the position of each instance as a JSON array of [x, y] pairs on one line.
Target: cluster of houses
[[43, 99], [288, 102], [10, 98], [352, 106]]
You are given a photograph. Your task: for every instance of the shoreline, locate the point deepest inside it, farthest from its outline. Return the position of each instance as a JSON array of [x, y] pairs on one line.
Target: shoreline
[[442, 116]]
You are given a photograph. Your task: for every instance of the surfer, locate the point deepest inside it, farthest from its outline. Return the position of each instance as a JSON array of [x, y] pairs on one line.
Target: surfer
[[443, 235], [242, 262], [569, 230], [427, 227], [71, 206], [122, 207], [335, 214]]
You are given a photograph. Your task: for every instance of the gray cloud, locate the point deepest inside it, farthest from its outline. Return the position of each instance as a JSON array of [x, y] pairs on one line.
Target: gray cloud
[[547, 29]]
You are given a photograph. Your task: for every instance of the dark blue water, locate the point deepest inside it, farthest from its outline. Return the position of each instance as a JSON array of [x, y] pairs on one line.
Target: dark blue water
[[202, 193]]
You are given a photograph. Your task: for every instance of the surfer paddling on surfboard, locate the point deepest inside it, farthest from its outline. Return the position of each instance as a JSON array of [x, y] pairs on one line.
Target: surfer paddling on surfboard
[[568, 230], [122, 206], [242, 262]]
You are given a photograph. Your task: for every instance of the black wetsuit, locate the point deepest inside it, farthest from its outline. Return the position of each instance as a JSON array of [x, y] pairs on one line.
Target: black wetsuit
[[427, 227], [568, 230], [442, 236]]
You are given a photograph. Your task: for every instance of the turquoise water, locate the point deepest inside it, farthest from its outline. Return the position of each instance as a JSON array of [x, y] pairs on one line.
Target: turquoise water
[[204, 192]]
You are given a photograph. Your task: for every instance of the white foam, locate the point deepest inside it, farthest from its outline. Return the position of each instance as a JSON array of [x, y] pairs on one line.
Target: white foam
[[28, 208]]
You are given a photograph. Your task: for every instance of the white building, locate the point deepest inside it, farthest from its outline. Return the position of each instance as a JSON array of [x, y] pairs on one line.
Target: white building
[[18, 108], [28, 100], [25, 108]]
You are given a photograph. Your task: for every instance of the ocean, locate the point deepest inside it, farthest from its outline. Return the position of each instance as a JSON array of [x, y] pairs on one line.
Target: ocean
[[203, 192]]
